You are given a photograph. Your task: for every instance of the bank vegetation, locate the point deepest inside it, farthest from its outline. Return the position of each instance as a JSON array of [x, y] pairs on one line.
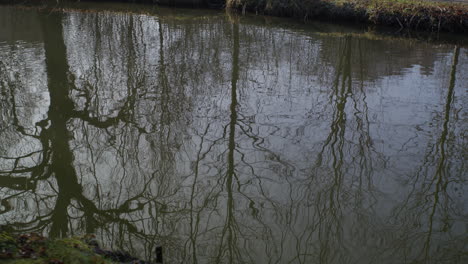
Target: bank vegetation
[[423, 15], [403, 14]]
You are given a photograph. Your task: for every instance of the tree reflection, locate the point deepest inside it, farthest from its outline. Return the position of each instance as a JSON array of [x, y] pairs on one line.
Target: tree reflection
[[224, 141], [57, 157], [430, 202], [230, 226]]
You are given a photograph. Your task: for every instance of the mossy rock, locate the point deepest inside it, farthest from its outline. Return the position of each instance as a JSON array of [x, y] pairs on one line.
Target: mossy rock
[[36, 249]]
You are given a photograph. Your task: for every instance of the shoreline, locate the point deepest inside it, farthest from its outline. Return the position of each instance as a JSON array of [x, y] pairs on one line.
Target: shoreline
[[35, 248], [402, 15], [429, 16]]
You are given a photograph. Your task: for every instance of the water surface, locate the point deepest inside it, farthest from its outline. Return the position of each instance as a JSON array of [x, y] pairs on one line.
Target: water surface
[[228, 140]]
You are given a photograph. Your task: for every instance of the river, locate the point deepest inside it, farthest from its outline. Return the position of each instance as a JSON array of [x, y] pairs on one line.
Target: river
[[232, 140]]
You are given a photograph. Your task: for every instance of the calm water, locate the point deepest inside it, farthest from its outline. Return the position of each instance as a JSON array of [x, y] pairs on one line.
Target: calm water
[[228, 141]]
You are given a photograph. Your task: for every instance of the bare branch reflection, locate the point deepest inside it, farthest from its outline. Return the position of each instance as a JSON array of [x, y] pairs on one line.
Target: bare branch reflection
[[226, 139]]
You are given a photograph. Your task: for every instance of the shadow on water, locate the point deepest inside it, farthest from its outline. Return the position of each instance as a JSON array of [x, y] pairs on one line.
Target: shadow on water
[[226, 141]]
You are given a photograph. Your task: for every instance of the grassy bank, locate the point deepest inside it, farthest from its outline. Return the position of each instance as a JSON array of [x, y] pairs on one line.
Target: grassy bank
[[424, 15], [36, 249], [403, 14]]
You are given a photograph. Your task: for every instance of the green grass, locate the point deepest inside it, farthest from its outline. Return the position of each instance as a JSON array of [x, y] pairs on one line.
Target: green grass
[[35, 249]]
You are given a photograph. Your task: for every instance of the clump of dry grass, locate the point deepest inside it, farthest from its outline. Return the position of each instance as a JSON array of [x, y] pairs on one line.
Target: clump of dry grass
[[409, 14]]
